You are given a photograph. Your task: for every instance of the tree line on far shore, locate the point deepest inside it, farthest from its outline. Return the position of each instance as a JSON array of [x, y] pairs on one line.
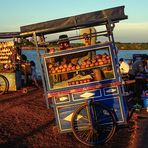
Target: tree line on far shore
[[120, 46], [132, 46]]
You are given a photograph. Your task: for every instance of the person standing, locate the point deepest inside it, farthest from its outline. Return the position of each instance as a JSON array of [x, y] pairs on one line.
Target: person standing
[[33, 73], [25, 69]]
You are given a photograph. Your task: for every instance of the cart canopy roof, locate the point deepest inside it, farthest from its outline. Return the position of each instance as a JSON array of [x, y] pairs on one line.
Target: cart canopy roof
[[78, 21], [4, 35]]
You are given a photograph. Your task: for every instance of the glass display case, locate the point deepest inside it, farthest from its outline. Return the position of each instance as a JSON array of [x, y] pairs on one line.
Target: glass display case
[[79, 66]]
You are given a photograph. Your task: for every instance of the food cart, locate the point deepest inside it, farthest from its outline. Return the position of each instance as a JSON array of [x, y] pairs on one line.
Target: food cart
[[87, 95], [9, 63]]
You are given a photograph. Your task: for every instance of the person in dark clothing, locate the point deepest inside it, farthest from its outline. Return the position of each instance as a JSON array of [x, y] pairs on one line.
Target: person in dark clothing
[[33, 73], [138, 67], [65, 60], [25, 68], [63, 42], [138, 73]]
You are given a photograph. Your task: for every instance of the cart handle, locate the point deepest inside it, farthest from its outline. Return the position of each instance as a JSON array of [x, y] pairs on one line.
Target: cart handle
[[128, 82], [87, 88]]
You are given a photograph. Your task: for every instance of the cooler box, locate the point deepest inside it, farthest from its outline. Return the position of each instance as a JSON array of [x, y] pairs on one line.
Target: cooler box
[[145, 100]]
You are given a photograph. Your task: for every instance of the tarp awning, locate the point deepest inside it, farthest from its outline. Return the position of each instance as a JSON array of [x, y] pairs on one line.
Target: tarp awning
[[79, 21], [4, 35]]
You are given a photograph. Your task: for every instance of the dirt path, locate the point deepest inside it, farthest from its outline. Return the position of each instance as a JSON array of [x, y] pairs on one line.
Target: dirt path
[[26, 123]]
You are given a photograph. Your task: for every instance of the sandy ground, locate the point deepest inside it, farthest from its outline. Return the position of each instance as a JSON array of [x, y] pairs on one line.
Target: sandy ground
[[26, 123]]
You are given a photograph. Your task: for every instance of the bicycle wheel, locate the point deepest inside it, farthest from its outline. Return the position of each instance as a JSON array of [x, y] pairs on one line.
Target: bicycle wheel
[[94, 124], [4, 84], [7, 83]]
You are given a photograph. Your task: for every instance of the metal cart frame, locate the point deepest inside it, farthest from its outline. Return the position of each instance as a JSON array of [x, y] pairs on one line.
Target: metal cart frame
[[111, 90]]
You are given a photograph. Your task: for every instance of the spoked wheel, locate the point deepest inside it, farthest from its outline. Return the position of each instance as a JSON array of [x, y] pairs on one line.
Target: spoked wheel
[[94, 124], [4, 84]]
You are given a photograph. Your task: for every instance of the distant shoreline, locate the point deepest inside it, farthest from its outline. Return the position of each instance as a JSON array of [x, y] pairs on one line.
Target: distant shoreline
[[120, 46], [132, 46], [32, 48]]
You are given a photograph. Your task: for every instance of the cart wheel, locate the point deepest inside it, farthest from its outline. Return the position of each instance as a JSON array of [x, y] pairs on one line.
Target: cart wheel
[[94, 124], [7, 84], [4, 84]]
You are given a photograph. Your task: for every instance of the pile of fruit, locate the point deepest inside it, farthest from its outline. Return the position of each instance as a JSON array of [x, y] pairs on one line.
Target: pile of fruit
[[78, 79], [98, 60], [82, 81]]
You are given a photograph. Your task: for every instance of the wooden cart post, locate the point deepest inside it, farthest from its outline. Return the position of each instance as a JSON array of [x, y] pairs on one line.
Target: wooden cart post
[[41, 69]]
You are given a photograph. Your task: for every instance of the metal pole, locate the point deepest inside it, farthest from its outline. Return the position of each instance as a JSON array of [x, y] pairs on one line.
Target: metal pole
[[41, 69]]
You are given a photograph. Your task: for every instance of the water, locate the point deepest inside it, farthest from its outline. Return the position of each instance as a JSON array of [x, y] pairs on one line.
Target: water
[[126, 54], [32, 55]]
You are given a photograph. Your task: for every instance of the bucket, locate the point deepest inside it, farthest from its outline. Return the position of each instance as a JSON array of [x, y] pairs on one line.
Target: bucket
[[145, 100]]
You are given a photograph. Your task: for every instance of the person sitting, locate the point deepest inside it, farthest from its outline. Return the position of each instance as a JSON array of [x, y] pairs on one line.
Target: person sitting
[[124, 67], [138, 67], [138, 73]]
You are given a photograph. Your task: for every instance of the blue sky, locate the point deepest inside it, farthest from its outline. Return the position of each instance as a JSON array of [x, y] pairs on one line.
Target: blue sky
[[16, 13]]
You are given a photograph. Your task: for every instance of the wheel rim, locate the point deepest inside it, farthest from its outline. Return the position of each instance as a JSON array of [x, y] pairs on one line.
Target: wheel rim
[[3, 85], [95, 130], [104, 123], [81, 125]]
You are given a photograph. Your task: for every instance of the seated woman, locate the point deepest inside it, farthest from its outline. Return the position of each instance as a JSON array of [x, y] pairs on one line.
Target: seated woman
[[124, 69]]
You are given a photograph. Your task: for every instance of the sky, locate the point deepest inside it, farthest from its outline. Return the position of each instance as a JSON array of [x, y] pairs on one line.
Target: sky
[[16, 13]]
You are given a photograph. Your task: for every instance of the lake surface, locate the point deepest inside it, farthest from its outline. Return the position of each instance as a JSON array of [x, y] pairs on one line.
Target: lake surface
[[126, 54]]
